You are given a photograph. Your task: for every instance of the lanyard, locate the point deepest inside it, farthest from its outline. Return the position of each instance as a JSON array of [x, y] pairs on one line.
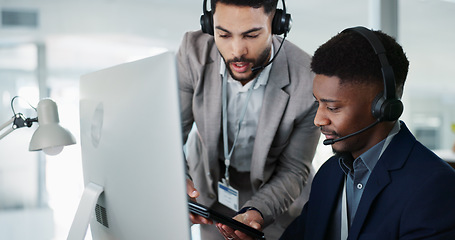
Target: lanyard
[[227, 152], [344, 214]]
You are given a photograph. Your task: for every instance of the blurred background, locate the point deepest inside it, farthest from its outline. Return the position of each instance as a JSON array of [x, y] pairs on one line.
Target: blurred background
[[46, 45]]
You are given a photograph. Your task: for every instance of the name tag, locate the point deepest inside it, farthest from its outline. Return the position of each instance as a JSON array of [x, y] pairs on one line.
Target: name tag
[[228, 196]]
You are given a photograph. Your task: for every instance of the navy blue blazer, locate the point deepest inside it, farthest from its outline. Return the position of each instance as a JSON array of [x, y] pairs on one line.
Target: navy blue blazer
[[410, 195]]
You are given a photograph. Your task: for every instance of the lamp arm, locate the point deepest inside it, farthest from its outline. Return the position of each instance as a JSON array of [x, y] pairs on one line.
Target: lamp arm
[[18, 121], [4, 126]]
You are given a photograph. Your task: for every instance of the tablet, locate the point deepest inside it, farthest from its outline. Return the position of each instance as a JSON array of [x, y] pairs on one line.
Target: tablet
[[206, 212]]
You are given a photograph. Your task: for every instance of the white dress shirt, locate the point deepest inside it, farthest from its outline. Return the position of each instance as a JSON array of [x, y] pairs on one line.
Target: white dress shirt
[[236, 100]]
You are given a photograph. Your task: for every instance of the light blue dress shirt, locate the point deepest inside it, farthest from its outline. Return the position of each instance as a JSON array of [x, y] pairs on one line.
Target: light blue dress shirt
[[358, 173]]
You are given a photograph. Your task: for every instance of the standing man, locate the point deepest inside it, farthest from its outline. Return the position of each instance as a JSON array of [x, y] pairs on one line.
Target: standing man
[[249, 94], [382, 183]]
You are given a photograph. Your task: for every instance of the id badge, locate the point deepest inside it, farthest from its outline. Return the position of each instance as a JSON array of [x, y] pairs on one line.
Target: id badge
[[228, 196]]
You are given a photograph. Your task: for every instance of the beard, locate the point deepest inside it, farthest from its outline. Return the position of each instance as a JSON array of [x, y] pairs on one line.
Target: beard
[[260, 61]]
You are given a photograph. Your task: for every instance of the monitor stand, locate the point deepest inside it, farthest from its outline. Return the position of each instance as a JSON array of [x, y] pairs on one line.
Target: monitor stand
[[84, 211]]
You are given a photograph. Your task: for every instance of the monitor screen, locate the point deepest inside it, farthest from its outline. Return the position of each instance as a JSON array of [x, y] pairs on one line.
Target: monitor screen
[[132, 151]]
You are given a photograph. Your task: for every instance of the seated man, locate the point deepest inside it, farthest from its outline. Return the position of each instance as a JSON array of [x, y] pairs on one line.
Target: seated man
[[382, 183]]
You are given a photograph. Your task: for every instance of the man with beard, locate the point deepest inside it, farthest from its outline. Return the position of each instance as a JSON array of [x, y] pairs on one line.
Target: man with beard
[[249, 94], [381, 183]]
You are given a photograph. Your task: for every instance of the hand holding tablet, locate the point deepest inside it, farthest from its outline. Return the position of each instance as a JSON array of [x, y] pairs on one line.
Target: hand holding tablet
[[206, 212]]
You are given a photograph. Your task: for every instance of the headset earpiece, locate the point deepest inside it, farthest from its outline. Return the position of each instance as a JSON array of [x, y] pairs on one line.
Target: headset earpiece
[[386, 109], [281, 23], [206, 20], [386, 106]]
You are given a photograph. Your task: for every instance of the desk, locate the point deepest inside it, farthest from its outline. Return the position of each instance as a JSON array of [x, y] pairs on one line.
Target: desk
[[447, 155]]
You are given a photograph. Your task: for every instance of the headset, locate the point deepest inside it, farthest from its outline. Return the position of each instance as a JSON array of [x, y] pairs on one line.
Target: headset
[[385, 106], [281, 23]]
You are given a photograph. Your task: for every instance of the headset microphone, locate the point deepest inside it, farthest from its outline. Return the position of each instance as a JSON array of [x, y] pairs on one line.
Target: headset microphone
[[332, 141]]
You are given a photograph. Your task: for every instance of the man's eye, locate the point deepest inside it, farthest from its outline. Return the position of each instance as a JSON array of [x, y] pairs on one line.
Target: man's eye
[[251, 36], [223, 36], [333, 109]]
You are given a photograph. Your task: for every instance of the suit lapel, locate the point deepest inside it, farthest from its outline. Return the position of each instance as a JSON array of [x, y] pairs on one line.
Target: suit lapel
[[326, 191], [392, 159], [212, 88], [378, 180], [273, 106]]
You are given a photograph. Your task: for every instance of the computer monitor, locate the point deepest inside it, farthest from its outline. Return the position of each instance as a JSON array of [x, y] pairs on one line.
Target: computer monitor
[[132, 155]]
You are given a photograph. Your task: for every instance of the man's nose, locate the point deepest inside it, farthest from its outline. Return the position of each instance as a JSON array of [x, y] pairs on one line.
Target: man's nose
[[239, 48], [320, 119]]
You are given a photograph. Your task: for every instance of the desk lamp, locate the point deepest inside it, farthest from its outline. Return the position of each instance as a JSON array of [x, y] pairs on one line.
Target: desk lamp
[[49, 136]]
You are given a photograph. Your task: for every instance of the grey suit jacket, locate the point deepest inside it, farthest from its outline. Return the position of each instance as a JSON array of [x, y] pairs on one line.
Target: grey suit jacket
[[286, 136]]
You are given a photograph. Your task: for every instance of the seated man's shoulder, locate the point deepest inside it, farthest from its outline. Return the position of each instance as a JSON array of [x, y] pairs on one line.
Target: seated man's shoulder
[[424, 158]]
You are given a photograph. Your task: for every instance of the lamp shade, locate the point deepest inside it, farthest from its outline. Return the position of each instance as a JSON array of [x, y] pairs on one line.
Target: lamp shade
[[50, 136]]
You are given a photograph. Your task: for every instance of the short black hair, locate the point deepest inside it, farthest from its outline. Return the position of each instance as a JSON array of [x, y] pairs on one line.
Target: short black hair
[[350, 57], [269, 5]]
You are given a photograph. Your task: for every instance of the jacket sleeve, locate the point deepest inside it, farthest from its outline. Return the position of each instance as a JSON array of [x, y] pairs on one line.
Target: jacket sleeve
[[295, 230], [185, 80]]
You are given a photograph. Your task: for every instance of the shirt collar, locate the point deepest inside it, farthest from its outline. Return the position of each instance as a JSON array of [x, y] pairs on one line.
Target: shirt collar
[[262, 78], [372, 155]]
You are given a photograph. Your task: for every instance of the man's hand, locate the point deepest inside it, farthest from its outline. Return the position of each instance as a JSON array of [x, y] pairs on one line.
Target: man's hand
[[193, 193], [251, 218]]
